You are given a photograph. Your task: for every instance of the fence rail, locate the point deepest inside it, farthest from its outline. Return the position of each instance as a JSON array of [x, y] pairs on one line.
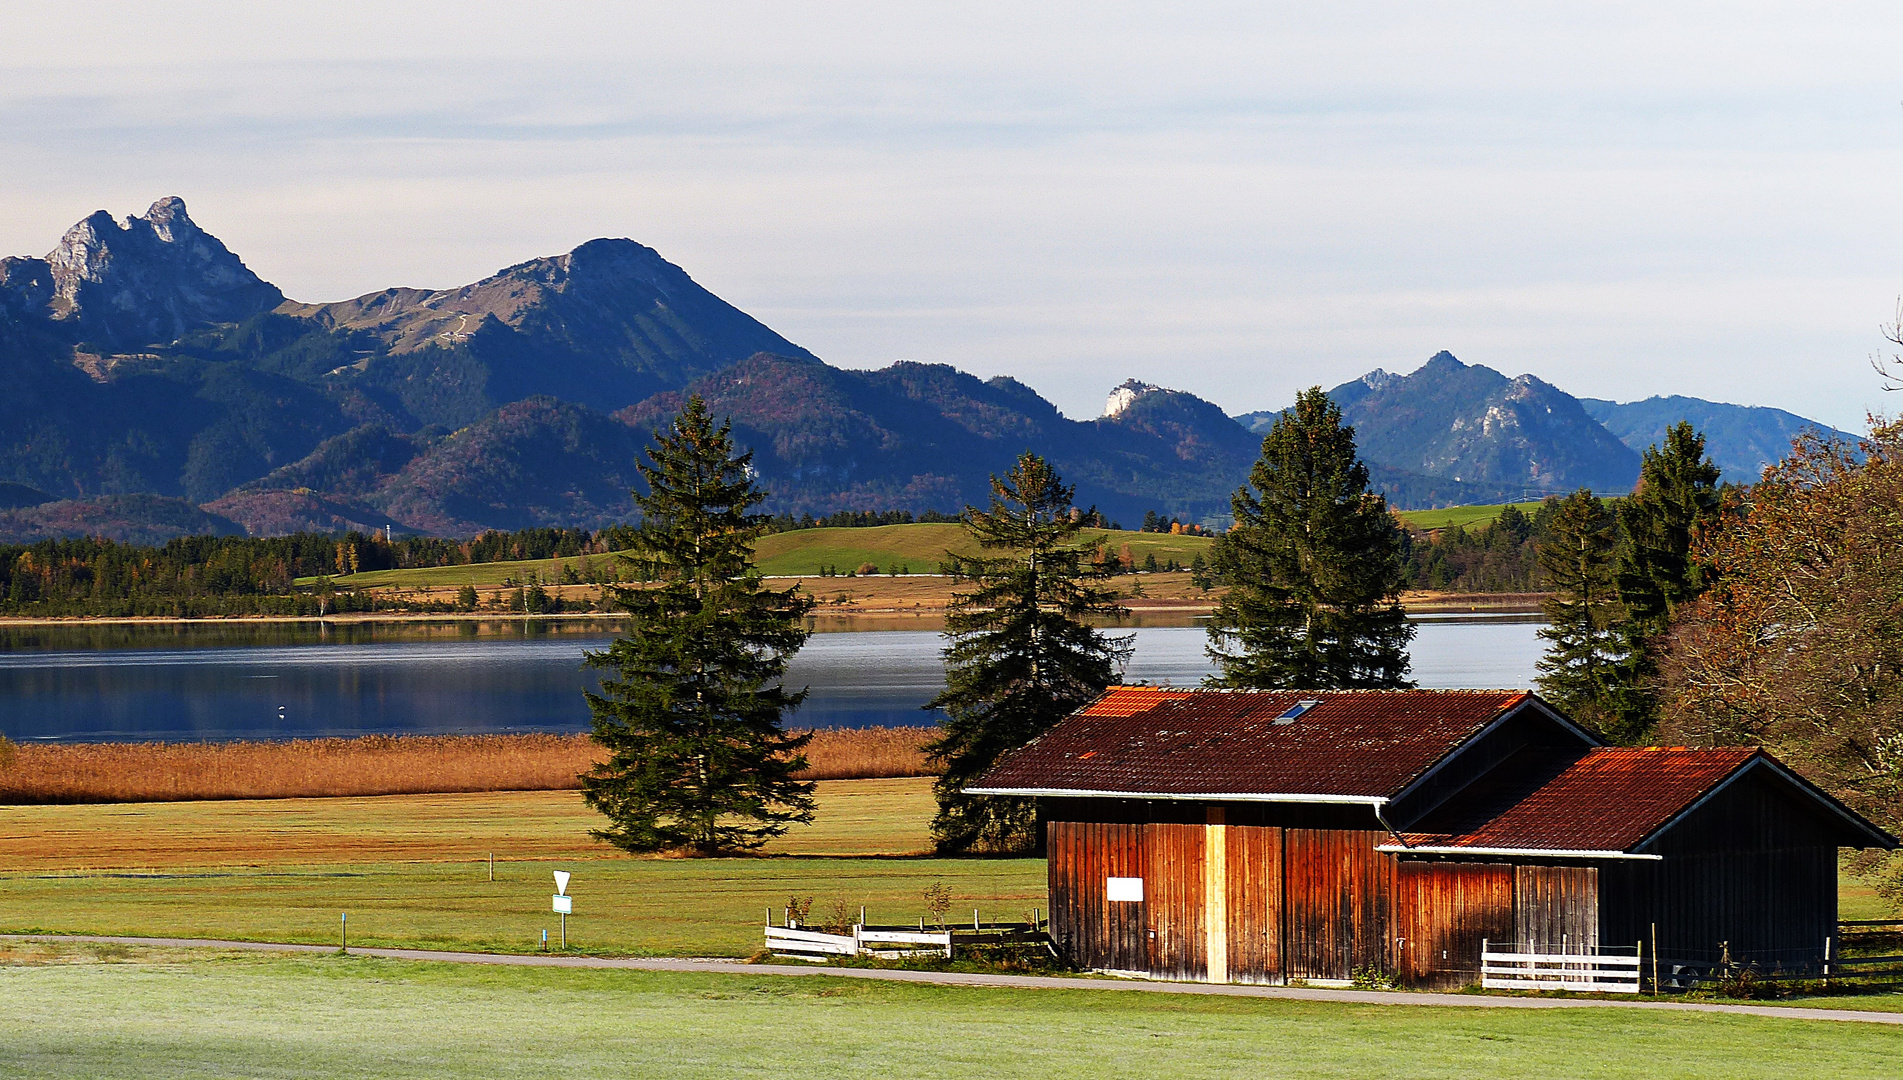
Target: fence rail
[[1585, 972], [885, 942]]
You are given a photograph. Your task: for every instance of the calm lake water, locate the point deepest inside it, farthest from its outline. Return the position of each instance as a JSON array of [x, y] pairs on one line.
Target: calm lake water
[[227, 682]]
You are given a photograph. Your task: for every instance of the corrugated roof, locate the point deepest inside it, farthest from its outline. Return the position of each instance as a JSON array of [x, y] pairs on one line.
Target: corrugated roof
[[1604, 799], [1359, 744]]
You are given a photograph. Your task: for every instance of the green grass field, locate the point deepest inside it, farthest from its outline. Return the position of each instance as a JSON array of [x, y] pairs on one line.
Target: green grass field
[[412, 870], [917, 548], [1467, 516], [923, 547], [109, 1012]]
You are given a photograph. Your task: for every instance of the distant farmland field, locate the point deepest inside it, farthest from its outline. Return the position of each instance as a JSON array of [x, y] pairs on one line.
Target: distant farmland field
[[920, 548], [1466, 516], [916, 549]]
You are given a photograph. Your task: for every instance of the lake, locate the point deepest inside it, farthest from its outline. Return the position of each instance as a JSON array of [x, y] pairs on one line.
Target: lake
[[230, 681]]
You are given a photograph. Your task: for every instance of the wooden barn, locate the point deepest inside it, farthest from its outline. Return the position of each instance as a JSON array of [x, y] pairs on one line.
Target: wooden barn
[[1260, 837]]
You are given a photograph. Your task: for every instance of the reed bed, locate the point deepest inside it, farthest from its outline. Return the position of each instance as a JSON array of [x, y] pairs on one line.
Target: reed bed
[[377, 765]]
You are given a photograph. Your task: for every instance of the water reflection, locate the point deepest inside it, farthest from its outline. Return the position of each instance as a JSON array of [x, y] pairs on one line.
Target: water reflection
[[288, 680]]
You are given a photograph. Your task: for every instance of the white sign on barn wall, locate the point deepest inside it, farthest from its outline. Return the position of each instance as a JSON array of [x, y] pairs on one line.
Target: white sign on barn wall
[[1128, 889]]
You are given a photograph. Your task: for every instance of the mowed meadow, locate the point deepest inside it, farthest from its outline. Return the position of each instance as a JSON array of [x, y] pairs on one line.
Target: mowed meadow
[[379, 765], [471, 871]]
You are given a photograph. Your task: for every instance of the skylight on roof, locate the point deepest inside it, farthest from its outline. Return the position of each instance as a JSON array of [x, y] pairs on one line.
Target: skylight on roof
[[1289, 714]]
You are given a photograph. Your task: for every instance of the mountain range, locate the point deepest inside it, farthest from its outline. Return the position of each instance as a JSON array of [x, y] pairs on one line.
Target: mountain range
[[157, 386]]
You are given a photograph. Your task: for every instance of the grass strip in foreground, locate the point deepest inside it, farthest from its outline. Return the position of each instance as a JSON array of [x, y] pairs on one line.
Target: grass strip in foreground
[[124, 1012]]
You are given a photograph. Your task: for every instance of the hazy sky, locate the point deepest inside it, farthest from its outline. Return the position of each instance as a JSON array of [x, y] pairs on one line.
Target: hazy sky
[[1235, 200]]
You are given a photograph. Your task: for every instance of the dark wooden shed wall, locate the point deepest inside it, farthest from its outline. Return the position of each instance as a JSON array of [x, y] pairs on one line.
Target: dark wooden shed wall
[[1755, 866]]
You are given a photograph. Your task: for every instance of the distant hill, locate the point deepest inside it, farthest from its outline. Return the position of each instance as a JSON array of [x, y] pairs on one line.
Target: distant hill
[[1501, 438], [157, 386], [132, 519], [928, 437], [606, 325], [1497, 439], [144, 357], [1740, 439]]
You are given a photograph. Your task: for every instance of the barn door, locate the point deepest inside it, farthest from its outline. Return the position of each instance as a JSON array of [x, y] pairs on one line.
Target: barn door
[[1174, 904], [1253, 903], [1339, 896], [1442, 913]]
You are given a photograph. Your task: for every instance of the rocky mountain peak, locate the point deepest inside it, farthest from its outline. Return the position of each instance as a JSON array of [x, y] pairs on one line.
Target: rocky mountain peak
[[1125, 396], [1379, 379], [149, 280]]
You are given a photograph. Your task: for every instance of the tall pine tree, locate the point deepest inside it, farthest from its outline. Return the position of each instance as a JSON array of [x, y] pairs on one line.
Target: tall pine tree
[[1677, 496], [1587, 668], [1314, 565], [1020, 657], [691, 718]]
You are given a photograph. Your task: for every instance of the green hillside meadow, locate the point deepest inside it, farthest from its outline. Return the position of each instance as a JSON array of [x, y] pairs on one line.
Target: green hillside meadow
[[1467, 516], [916, 549]]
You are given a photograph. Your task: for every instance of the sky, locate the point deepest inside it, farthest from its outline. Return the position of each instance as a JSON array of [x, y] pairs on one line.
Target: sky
[[1234, 200]]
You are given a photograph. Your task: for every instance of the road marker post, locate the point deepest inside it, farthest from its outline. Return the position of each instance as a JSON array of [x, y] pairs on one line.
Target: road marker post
[[564, 903]]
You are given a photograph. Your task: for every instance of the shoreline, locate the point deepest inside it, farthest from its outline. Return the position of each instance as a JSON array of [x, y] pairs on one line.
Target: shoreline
[[1411, 603]]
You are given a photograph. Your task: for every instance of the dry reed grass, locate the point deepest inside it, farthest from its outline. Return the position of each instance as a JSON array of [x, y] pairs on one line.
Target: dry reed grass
[[376, 765]]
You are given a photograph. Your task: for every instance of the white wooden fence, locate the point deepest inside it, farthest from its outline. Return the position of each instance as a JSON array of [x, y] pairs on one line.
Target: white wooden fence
[[1597, 973], [885, 943]]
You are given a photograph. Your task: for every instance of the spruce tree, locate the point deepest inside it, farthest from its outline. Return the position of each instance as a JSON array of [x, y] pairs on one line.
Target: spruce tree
[[1020, 657], [691, 716], [1314, 564], [1586, 670], [1677, 494], [1654, 569]]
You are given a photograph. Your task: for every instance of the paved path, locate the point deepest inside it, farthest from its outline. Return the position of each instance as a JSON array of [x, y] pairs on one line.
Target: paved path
[[1028, 982]]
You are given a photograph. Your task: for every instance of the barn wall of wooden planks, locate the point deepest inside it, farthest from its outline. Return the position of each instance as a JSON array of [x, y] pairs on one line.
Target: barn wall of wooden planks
[[1266, 893]]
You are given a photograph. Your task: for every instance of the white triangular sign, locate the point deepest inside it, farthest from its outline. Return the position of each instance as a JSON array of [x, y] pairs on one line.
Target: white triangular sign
[[561, 882]]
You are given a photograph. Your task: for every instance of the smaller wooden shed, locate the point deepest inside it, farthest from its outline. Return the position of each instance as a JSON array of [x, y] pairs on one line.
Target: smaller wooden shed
[[1262, 837]]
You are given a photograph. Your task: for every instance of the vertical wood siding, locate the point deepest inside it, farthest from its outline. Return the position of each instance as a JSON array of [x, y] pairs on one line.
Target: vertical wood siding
[[1173, 897], [1339, 903], [1162, 935], [1556, 908], [1255, 903], [1755, 867], [1443, 913]]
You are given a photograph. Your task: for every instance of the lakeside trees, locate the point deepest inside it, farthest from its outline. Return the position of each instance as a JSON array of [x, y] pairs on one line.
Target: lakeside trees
[[691, 714], [1618, 575], [1797, 644], [1020, 657], [1586, 670], [1314, 565]]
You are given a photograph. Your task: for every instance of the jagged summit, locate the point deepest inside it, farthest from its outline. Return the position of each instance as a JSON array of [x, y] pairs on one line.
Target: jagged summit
[[150, 280], [1125, 396]]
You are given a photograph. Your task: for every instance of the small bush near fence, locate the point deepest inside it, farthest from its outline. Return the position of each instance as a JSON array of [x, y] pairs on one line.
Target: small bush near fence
[[376, 765]]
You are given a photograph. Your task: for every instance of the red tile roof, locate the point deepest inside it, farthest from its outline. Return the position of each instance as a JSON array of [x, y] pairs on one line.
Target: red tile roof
[[1354, 744], [1608, 799]]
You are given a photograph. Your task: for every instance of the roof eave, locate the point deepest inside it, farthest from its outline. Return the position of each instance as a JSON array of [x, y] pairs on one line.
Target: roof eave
[[1523, 852], [1180, 796], [1879, 837]]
